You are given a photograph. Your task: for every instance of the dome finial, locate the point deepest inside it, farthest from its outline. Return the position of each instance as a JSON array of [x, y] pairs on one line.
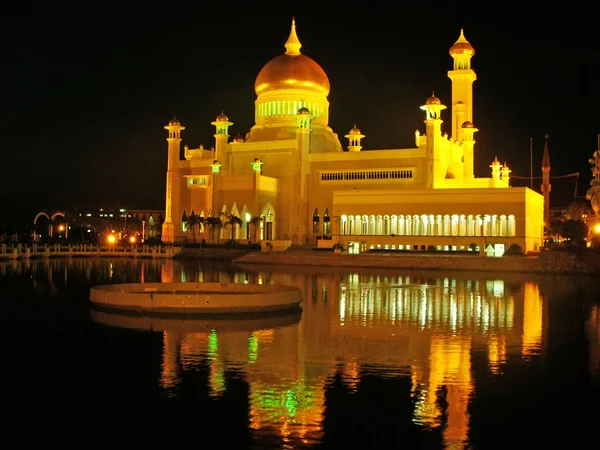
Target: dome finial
[[292, 46]]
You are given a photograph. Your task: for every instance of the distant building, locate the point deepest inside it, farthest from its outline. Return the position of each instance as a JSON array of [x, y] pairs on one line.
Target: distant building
[[88, 222], [291, 179]]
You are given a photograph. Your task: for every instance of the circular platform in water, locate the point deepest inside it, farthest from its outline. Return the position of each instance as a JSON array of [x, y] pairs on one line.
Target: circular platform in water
[[221, 323], [197, 298]]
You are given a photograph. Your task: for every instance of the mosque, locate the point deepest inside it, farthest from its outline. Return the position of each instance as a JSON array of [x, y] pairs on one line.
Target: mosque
[[291, 181]]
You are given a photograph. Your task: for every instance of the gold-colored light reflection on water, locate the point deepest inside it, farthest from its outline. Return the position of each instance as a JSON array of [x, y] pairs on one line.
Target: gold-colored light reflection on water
[[426, 328], [532, 319]]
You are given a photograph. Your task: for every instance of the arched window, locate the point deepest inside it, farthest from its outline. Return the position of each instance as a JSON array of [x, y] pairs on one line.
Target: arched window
[[439, 226], [379, 226], [503, 225], [470, 226], [365, 225], [486, 225], [454, 228], [446, 225], [494, 226], [462, 225], [394, 222], [386, 225], [316, 222], [408, 227], [401, 226], [344, 225], [326, 223], [511, 226], [478, 225], [372, 225], [357, 224]]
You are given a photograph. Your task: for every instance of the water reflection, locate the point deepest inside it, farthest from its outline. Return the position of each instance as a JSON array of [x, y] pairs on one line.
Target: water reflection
[[412, 350]]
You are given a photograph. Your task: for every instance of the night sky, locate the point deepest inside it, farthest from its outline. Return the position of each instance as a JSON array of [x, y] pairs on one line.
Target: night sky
[[87, 92]]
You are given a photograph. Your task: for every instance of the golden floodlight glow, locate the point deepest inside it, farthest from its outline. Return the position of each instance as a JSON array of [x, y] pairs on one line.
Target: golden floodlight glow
[[597, 228], [132, 239], [111, 239], [61, 228]]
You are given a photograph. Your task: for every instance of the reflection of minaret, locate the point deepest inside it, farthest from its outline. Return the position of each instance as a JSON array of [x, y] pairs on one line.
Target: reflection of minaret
[[450, 366], [546, 187]]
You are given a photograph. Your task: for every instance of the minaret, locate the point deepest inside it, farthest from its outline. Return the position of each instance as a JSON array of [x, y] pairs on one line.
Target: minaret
[[433, 133], [222, 125], [496, 168], [302, 172], [546, 187], [354, 136], [173, 199], [468, 142], [462, 77]]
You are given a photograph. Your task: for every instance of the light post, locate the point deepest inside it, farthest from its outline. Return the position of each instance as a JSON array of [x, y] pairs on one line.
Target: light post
[[143, 230]]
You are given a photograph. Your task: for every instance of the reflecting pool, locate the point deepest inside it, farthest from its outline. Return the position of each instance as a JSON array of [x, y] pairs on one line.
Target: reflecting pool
[[375, 360]]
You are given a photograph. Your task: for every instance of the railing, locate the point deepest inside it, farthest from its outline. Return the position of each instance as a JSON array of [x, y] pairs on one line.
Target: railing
[[24, 251]]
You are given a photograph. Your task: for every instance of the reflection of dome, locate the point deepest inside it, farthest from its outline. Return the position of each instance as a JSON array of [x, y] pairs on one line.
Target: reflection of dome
[[433, 100], [292, 70], [468, 124], [462, 46]]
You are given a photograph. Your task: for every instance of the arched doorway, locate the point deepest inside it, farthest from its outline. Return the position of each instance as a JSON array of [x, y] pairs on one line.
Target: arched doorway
[[268, 231]]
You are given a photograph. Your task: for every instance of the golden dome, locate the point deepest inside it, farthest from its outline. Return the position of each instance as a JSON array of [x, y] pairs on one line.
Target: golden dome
[[468, 124], [222, 118], [462, 46], [303, 110], [292, 70], [174, 122], [433, 100], [354, 130]]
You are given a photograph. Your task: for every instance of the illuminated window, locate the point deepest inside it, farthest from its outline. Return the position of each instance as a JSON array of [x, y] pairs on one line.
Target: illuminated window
[[344, 225], [364, 225], [470, 226], [462, 225], [386, 225], [511, 227], [326, 223], [503, 225], [316, 222], [446, 231]]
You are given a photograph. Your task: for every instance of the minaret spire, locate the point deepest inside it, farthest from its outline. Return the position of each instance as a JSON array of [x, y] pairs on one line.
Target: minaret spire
[[546, 186], [292, 46]]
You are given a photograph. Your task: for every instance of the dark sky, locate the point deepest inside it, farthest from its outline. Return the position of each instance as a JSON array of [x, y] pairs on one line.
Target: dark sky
[[86, 92]]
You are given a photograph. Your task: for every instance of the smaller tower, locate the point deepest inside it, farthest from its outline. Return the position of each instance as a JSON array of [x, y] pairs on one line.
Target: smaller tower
[[505, 175], [433, 129], [173, 187], [222, 125], [303, 118], [354, 136], [468, 143], [495, 166], [462, 77], [546, 186]]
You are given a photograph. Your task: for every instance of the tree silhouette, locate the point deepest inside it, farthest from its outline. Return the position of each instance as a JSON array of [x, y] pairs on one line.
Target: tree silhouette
[[233, 220], [214, 224], [593, 193]]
